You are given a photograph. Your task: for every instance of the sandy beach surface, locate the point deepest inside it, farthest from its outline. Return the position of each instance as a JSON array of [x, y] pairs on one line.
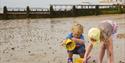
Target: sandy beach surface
[[38, 40]]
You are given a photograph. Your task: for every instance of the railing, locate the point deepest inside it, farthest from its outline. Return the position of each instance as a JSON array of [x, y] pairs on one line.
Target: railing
[[62, 11]]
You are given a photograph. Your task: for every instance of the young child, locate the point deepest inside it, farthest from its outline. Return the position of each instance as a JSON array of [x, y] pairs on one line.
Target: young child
[[78, 38], [103, 36]]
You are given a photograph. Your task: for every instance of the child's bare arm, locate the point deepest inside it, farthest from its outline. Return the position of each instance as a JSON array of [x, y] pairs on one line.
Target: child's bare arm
[[88, 50], [81, 41], [63, 41]]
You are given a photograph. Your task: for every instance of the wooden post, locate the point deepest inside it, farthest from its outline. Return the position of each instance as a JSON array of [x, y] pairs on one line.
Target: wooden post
[[73, 11], [51, 11], [97, 10], [27, 11], [120, 9], [5, 13], [123, 8]]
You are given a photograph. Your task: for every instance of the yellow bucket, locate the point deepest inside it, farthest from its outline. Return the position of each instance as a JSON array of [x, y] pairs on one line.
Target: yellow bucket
[[78, 60], [70, 44]]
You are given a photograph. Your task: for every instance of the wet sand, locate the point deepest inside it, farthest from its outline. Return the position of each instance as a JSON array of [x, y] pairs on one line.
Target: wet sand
[[38, 40]]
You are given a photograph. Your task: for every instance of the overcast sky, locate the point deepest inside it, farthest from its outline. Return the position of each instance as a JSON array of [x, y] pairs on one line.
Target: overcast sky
[[44, 3], [40, 3]]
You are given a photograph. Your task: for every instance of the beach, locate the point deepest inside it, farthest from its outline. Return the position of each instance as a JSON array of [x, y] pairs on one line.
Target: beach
[[39, 40]]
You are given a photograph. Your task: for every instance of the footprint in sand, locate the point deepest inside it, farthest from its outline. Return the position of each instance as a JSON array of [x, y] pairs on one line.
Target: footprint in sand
[[121, 62], [121, 36]]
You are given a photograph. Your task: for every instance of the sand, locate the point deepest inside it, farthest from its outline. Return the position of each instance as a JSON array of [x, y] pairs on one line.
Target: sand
[[38, 40]]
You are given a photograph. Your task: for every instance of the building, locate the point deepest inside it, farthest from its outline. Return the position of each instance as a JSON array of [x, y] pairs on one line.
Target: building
[[112, 2]]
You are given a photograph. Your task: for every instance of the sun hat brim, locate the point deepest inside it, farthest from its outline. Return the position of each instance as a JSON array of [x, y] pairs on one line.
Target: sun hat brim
[[94, 33]]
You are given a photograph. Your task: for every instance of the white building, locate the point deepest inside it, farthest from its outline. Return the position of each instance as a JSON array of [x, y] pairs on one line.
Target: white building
[[112, 1]]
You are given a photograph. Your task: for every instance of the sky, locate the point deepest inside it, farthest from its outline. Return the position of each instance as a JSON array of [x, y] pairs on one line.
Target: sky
[[40, 3], [44, 3]]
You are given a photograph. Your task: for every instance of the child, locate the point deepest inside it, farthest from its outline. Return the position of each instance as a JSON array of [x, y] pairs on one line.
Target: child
[[78, 38], [102, 35]]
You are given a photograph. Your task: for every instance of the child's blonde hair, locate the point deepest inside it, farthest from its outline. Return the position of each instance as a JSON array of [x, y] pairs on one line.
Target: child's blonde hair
[[79, 27]]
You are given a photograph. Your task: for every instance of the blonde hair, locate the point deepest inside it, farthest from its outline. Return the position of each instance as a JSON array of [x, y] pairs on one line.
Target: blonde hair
[[79, 27]]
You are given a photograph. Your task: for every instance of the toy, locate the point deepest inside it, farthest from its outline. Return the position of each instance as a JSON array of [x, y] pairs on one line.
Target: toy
[[70, 44], [78, 60], [89, 60]]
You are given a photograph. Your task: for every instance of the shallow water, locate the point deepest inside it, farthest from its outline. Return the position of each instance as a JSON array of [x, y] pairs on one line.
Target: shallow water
[[38, 40]]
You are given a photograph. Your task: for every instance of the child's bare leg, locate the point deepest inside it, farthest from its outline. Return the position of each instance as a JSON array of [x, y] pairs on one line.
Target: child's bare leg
[[70, 57], [110, 51], [81, 55], [102, 52]]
